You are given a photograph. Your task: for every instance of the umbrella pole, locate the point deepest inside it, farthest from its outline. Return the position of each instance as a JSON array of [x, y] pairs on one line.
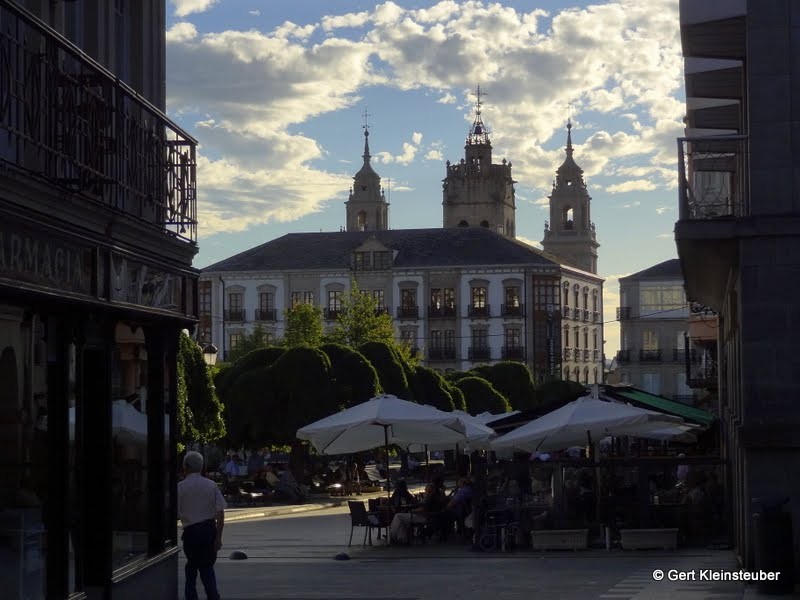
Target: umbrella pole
[[386, 446], [427, 464]]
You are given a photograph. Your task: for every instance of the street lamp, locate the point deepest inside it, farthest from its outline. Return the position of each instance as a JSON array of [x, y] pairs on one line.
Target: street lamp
[[210, 354]]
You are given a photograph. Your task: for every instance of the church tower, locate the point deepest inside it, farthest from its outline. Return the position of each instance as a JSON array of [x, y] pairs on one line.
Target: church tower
[[367, 209], [477, 192], [570, 234]]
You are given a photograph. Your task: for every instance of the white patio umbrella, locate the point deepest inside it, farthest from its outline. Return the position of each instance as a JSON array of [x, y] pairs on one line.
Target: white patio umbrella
[[487, 417], [383, 420], [582, 421], [476, 435]]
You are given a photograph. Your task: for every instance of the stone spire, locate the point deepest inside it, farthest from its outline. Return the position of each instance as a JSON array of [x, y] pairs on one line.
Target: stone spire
[[367, 209], [478, 133]]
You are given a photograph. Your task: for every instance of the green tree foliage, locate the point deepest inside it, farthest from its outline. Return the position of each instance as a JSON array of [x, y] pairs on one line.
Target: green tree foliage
[[480, 396], [457, 395], [431, 388], [556, 393], [456, 376], [199, 409], [261, 357], [355, 380], [359, 321], [248, 343], [513, 380], [388, 364], [303, 325], [248, 403]]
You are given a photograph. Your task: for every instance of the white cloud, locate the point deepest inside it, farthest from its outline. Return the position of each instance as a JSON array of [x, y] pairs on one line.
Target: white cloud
[[416, 138], [662, 209], [633, 204], [402, 188], [636, 185], [406, 157], [666, 236], [434, 154], [255, 13], [181, 32], [622, 58], [184, 8], [530, 242]]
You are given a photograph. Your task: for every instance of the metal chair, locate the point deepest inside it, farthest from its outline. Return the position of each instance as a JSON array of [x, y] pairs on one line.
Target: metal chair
[[359, 517]]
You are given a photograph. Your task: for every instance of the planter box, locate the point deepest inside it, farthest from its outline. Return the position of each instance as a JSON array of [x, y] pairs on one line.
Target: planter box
[[560, 539], [647, 539]]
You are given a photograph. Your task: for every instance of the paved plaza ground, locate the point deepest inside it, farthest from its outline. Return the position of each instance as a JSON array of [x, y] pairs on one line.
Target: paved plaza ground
[[290, 557]]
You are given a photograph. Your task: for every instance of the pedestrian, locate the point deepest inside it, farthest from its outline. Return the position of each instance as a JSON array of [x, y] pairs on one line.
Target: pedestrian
[[201, 509]]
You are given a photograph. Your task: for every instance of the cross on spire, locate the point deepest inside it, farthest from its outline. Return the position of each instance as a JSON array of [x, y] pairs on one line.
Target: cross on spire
[[478, 95], [366, 125]]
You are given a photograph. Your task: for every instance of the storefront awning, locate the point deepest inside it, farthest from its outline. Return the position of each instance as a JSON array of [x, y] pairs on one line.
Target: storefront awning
[[659, 403]]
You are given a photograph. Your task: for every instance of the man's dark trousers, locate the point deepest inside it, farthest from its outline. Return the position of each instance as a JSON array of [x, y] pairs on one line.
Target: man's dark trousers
[[198, 545]]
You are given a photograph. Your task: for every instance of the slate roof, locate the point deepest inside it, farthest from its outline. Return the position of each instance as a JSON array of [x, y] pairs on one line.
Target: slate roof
[[459, 246], [669, 269]]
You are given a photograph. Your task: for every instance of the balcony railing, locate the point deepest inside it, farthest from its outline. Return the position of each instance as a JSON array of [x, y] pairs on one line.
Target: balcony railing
[[266, 314], [509, 310], [595, 355], [567, 353], [331, 313], [567, 313], [381, 310], [595, 316], [623, 313], [479, 353], [624, 356], [587, 354], [441, 353], [651, 355], [704, 376], [712, 177], [69, 121], [441, 312], [513, 353], [234, 315], [585, 314], [408, 312], [478, 311]]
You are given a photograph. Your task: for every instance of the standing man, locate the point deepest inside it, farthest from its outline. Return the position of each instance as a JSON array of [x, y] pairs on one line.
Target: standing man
[[201, 509]]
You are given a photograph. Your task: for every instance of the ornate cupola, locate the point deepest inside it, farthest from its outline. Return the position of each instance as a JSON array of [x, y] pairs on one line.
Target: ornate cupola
[[570, 233], [477, 192], [367, 209]]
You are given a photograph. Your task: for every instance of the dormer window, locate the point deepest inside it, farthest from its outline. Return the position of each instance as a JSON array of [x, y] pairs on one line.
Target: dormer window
[[381, 260], [362, 261]]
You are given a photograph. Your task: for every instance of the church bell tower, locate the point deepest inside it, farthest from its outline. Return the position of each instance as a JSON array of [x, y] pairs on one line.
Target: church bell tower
[[570, 233], [367, 209]]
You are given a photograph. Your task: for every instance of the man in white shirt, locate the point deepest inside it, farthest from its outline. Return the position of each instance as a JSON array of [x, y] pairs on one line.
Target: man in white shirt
[[201, 509]]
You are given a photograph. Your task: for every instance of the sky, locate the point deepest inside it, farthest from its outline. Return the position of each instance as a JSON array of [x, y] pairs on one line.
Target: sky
[[275, 93]]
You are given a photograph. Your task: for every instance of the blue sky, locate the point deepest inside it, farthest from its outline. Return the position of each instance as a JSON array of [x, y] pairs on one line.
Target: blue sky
[[275, 92]]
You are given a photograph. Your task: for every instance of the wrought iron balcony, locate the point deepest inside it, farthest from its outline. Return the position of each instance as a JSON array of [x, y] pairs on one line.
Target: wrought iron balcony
[[624, 356], [331, 313], [235, 315], [651, 355], [69, 121], [266, 314], [704, 376], [587, 354], [623, 313], [567, 312], [595, 316], [567, 353], [408, 312], [480, 353], [712, 177], [441, 312], [595, 355], [585, 314], [441, 353], [509, 310], [513, 353], [478, 312]]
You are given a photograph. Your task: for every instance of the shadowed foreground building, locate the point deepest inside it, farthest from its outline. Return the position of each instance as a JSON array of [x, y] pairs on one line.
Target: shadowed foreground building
[[97, 237], [738, 236]]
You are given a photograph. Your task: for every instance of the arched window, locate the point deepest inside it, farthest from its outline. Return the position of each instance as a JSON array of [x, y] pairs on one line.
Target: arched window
[[586, 298], [594, 300], [566, 336], [585, 337], [566, 373], [595, 375], [577, 338], [586, 375], [566, 293], [361, 221], [568, 218], [463, 223], [577, 374], [485, 223], [575, 291], [594, 339]]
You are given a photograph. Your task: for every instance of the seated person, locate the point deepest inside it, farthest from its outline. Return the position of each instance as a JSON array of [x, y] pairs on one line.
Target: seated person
[[402, 522], [459, 506], [270, 476], [401, 496]]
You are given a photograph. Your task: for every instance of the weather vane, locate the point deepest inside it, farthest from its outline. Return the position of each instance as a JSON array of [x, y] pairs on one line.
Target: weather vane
[[569, 112]]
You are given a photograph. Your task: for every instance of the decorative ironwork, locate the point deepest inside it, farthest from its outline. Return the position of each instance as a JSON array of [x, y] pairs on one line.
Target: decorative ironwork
[[66, 119], [479, 353], [712, 177], [566, 312], [441, 353], [408, 312], [331, 314], [478, 312], [266, 314], [513, 353], [650, 355], [441, 312], [507, 310], [567, 353], [235, 315]]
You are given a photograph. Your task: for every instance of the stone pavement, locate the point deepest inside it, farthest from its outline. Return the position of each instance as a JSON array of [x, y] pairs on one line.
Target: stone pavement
[[290, 557]]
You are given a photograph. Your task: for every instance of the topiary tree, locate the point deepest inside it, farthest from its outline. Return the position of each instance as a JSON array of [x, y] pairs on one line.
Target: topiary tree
[[261, 357], [250, 409], [480, 396], [391, 371], [459, 402], [513, 380], [355, 380], [455, 376], [431, 388], [557, 392], [199, 409], [248, 343]]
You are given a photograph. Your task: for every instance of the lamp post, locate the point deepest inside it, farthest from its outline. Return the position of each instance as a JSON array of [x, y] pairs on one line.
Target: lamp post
[[210, 354]]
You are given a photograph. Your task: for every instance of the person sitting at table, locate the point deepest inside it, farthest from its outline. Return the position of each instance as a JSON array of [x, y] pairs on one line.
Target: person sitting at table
[[271, 477], [402, 521], [401, 496], [459, 506]]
